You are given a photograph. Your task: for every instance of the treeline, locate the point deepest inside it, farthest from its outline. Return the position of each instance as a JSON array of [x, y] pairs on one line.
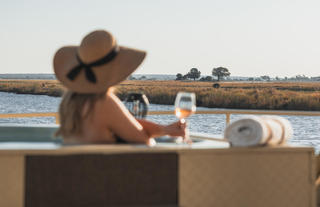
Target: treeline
[[220, 73], [277, 78]]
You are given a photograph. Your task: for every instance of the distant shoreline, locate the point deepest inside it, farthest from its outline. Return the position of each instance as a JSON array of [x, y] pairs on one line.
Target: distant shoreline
[[51, 76], [235, 95]]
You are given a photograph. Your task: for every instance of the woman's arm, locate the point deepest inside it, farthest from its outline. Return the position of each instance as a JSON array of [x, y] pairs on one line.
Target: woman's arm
[[121, 122], [176, 129]]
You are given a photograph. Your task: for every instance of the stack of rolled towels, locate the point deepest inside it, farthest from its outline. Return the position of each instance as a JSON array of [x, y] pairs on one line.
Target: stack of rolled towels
[[258, 131]]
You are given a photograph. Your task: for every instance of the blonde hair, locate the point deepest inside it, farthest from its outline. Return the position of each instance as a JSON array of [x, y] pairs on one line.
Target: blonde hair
[[72, 111]]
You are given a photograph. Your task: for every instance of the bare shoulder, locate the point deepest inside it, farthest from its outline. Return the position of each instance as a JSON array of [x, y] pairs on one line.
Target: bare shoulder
[[111, 105]]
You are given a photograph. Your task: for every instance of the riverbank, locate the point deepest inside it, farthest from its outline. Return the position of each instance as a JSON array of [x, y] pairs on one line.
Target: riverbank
[[237, 95], [36, 87]]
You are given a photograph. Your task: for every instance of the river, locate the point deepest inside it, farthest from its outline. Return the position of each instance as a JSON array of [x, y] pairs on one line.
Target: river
[[306, 128]]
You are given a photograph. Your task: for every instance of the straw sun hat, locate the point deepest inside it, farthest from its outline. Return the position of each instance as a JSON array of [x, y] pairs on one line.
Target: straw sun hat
[[96, 64]]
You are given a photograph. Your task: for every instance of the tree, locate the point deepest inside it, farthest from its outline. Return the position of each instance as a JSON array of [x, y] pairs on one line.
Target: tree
[[207, 78], [265, 77], [194, 73], [220, 72], [301, 78], [143, 77], [179, 76]]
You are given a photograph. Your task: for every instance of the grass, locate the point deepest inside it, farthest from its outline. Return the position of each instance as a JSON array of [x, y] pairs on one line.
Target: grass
[[237, 95], [40, 87]]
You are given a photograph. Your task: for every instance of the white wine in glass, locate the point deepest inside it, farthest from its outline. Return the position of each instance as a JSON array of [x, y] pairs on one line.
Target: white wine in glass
[[185, 105]]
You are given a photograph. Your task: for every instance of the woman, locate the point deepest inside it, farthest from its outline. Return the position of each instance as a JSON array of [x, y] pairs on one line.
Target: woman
[[89, 111]]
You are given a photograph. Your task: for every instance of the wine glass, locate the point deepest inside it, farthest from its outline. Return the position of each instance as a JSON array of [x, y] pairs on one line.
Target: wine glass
[[185, 105]]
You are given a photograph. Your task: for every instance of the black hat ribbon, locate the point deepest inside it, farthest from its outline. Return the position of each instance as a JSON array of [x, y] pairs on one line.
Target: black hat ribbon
[[87, 67]]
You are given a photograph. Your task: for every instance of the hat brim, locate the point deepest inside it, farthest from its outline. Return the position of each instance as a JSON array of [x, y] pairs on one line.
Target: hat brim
[[107, 75]]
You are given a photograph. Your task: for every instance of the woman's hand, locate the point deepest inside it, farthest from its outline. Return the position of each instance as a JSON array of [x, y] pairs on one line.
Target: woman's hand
[[176, 129]]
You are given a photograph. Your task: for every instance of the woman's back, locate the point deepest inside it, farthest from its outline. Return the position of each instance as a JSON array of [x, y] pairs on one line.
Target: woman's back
[[106, 121]]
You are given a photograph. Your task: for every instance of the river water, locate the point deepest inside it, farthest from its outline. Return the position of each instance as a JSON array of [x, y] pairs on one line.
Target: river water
[[306, 128]]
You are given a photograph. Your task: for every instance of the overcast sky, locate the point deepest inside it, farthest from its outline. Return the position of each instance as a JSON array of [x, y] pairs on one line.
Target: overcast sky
[[249, 37]]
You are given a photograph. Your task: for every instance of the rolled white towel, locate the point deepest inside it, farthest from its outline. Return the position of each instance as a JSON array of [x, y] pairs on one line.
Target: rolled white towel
[[247, 131], [280, 127], [258, 130]]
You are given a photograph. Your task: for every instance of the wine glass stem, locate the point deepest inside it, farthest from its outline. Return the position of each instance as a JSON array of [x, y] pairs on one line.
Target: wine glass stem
[[187, 137]]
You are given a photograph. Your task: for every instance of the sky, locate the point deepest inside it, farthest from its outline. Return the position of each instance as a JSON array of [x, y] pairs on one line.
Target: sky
[[249, 37]]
